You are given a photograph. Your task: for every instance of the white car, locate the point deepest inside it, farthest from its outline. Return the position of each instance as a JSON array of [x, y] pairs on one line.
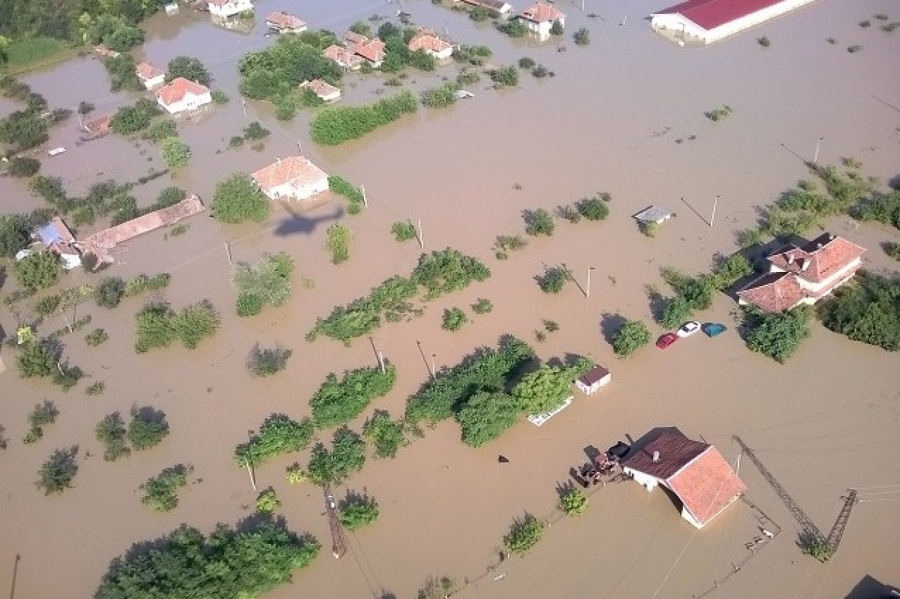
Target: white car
[[688, 329]]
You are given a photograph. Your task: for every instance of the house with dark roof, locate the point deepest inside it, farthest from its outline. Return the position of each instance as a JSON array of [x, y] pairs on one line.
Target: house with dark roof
[[803, 274], [591, 381], [708, 21], [695, 472]]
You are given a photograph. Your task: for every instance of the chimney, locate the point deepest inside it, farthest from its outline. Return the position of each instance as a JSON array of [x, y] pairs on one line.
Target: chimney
[[790, 258], [655, 456], [804, 264], [819, 246], [278, 160]]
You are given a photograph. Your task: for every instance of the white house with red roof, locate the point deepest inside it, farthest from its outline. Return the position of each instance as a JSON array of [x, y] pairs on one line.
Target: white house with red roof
[[182, 95], [695, 472], [592, 380], [150, 75], [540, 18], [707, 21], [370, 49], [323, 90], [803, 274], [228, 8], [283, 22], [427, 40], [294, 177], [502, 8], [343, 57]]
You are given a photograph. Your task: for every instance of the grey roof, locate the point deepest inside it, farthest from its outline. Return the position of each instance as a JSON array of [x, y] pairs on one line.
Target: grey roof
[[653, 214]]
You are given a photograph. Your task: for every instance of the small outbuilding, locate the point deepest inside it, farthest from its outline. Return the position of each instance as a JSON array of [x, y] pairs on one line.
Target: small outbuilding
[[323, 90], [150, 75], [695, 472], [656, 215], [591, 381], [57, 238]]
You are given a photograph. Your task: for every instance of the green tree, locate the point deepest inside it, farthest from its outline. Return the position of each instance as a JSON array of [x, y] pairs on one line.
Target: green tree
[[4, 50], [190, 68], [37, 358], [267, 282], [524, 533], [175, 153], [341, 400], [386, 435], [277, 435], [147, 429], [23, 130], [112, 433], [594, 208], [337, 124], [453, 319], [539, 222], [339, 237], [867, 311], [268, 361], [573, 501], [361, 28], [13, 234], [24, 166], [553, 279], [557, 28], [129, 119], [109, 292], [238, 199], [267, 501], [58, 472], [544, 389], [778, 335], [357, 511], [161, 491], [38, 270], [676, 312], [486, 416], [505, 76], [249, 560], [347, 455], [631, 336], [582, 37]]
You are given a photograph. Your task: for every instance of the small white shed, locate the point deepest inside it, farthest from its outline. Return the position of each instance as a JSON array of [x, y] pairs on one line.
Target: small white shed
[[591, 381]]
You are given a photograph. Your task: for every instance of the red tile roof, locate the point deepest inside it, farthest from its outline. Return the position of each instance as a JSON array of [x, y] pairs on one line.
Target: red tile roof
[[283, 20], [145, 71], [320, 88], [98, 126], [819, 259], [425, 39], [342, 56], [593, 375], [541, 13], [355, 38], [293, 169], [372, 50], [773, 292], [706, 486], [710, 14], [675, 452], [178, 89]]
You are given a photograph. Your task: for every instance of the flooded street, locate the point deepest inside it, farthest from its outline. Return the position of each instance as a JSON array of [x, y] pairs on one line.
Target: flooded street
[[624, 115]]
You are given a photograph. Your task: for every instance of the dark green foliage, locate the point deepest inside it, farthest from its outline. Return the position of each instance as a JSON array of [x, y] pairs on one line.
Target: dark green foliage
[[24, 129], [131, 119], [441, 272], [730, 271], [594, 208], [66, 376], [505, 76], [526, 63], [277, 435], [340, 185], [440, 97], [122, 73], [158, 325], [483, 13], [268, 361], [20, 166], [347, 455], [57, 473], [486, 416], [267, 282], [386, 435], [557, 28], [37, 359], [275, 72], [539, 222], [112, 433], [141, 283], [403, 230], [573, 502], [676, 312], [38, 271], [513, 28], [631, 336], [109, 292], [361, 28], [47, 305], [546, 388], [244, 562], [892, 250], [147, 429], [338, 243], [43, 414], [482, 306], [486, 370], [881, 207], [161, 491], [335, 125], [474, 55], [175, 153], [524, 533], [718, 114], [341, 400], [422, 61], [507, 243], [114, 32], [867, 311], [267, 501], [96, 337], [582, 37], [357, 511], [763, 41], [190, 68], [14, 232], [238, 199], [553, 279], [453, 319], [777, 335]]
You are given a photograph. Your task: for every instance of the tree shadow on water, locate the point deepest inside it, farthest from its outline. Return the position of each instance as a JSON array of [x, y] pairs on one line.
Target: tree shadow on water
[[609, 324], [297, 223]]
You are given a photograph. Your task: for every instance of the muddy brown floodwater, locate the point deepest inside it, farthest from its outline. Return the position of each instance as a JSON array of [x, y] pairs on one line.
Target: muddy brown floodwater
[[623, 115]]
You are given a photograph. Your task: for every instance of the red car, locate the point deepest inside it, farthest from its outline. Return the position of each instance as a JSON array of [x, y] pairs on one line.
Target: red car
[[666, 340]]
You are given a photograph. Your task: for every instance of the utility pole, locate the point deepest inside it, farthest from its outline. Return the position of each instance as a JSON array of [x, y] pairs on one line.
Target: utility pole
[[421, 239], [587, 291], [244, 106], [816, 155], [433, 371], [362, 189], [228, 252], [715, 205], [299, 147], [249, 467], [380, 353]]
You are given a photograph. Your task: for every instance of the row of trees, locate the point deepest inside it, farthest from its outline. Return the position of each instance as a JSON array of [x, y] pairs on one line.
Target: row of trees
[[867, 311], [335, 125], [147, 429], [158, 325], [437, 273], [696, 293], [338, 401]]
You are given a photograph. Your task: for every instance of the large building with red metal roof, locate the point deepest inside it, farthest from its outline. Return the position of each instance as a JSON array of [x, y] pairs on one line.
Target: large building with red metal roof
[[706, 21]]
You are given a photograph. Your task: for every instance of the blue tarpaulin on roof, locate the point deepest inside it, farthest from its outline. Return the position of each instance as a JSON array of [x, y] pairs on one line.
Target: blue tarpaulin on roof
[[49, 234]]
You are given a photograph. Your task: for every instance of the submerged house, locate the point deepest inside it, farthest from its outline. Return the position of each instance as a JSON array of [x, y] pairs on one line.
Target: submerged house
[[539, 18], [803, 274], [228, 8], [707, 21], [427, 40], [183, 95], [57, 238], [150, 75], [323, 90], [294, 177], [343, 57], [283, 22], [499, 6], [591, 381], [695, 472], [370, 49]]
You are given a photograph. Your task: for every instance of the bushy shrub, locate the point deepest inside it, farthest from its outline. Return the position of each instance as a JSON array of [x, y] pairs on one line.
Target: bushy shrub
[[24, 166], [482, 306], [524, 533], [347, 455], [868, 311], [277, 435], [553, 279], [147, 429], [778, 335], [38, 270], [386, 435], [267, 282], [109, 292], [573, 501], [267, 501], [505, 76], [341, 400], [453, 319], [403, 230], [338, 243], [161, 491], [58, 472], [486, 416], [357, 511], [594, 208], [630, 337], [335, 125], [539, 222], [268, 361]]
